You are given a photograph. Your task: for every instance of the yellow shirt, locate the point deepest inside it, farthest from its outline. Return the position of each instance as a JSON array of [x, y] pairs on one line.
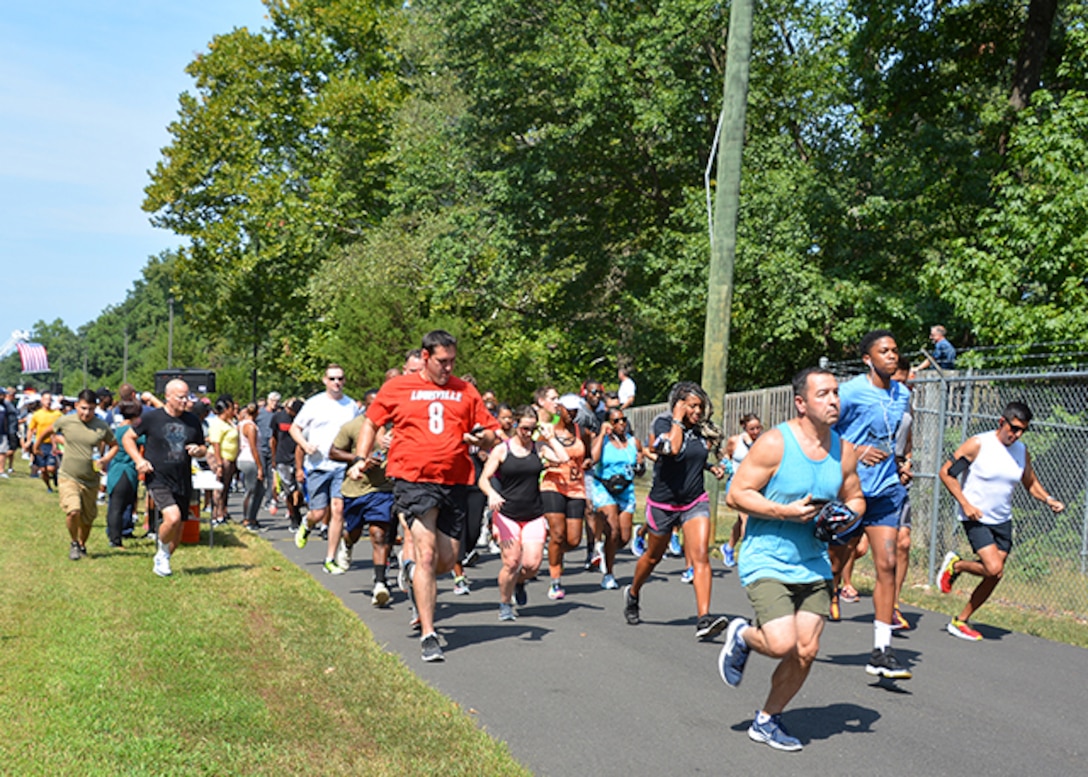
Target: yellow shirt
[[39, 421], [224, 434]]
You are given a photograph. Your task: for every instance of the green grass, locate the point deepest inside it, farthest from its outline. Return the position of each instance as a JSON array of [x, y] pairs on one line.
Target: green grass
[[238, 664]]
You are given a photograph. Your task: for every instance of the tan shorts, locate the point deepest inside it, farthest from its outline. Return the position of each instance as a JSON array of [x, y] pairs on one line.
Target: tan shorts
[[76, 497]]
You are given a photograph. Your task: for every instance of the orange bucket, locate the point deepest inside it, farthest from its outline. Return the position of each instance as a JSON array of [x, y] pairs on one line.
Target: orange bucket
[[190, 532]]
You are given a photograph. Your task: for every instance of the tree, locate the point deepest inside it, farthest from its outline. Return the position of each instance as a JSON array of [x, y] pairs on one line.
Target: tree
[[278, 158]]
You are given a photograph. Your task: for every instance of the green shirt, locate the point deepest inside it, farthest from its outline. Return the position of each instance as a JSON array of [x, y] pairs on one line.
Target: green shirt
[[80, 442], [374, 478]]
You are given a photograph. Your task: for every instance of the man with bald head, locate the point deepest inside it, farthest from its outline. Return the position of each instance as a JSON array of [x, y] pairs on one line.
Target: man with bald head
[[173, 436]]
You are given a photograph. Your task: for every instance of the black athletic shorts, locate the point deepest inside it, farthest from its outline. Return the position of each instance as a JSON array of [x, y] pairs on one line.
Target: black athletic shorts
[[554, 502], [982, 534], [414, 499]]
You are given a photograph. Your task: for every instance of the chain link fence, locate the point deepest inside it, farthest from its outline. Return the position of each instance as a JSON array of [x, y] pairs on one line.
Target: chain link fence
[[1048, 567], [1047, 570]]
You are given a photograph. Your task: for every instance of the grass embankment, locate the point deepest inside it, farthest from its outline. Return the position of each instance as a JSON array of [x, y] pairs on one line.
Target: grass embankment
[[238, 664]]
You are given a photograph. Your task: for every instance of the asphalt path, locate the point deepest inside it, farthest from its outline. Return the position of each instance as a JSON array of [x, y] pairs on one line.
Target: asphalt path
[[573, 689]]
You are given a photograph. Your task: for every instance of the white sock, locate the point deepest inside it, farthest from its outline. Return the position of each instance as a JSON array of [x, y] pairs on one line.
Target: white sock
[[762, 717], [882, 635]]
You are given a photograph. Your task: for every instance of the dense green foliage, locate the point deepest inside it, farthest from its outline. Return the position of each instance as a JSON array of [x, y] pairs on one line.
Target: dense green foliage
[[530, 175]]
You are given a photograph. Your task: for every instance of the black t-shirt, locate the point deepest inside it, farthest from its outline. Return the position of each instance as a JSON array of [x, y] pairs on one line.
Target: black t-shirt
[[164, 446], [285, 443], [678, 480]]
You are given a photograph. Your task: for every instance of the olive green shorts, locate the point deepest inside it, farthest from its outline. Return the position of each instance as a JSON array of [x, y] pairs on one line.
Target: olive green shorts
[[772, 599]]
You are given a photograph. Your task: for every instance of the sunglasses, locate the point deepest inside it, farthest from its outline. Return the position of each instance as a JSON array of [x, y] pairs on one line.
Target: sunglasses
[[620, 420], [527, 428], [337, 378], [1014, 427]]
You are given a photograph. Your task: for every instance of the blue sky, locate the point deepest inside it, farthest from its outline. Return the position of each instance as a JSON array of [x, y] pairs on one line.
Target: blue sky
[[87, 90]]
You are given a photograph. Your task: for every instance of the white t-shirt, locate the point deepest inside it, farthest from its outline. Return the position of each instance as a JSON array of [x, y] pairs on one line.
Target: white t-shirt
[[626, 391], [320, 419]]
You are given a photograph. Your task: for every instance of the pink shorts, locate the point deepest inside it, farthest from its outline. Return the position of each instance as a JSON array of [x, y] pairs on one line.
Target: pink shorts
[[525, 532]]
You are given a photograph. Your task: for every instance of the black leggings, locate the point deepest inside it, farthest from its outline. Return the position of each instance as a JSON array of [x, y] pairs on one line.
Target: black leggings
[[474, 520], [122, 496]]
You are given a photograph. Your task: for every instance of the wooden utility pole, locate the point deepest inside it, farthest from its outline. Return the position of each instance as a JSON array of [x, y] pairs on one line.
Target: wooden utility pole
[[719, 298]]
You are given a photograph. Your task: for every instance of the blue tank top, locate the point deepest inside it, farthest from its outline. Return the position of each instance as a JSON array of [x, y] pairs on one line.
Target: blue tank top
[[616, 461], [784, 550]]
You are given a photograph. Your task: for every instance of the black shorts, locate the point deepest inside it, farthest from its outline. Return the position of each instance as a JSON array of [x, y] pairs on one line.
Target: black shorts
[[982, 534], [414, 499], [165, 498], [554, 502]]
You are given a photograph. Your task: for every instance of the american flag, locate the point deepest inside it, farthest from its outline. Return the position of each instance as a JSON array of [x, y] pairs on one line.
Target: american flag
[[34, 357]]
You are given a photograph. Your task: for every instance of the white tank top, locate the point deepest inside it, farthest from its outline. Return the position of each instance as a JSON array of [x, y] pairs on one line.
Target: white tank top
[[740, 450], [992, 478], [245, 453]]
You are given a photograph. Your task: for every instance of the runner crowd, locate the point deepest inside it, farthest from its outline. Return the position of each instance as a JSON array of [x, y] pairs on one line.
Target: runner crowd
[[437, 472]]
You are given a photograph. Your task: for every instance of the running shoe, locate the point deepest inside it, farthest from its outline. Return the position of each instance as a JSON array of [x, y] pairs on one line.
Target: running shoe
[[593, 561], [404, 579], [431, 650], [331, 568], [734, 654], [380, 597], [630, 607], [520, 595], [460, 585], [774, 734], [608, 582], [471, 558], [675, 548], [555, 591], [598, 553], [73, 552], [162, 564], [507, 612], [834, 613], [413, 620], [323, 530], [729, 556], [83, 550], [883, 663], [687, 575], [302, 535], [849, 595], [948, 574], [899, 623], [272, 508], [493, 548], [958, 628], [638, 545], [343, 554], [709, 626]]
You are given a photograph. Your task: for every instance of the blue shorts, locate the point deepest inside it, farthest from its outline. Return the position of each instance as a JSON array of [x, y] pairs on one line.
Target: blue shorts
[[323, 485], [884, 509], [375, 507], [45, 457], [602, 497]]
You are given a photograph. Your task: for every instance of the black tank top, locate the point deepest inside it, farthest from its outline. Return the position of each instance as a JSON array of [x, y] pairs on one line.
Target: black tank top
[[519, 484]]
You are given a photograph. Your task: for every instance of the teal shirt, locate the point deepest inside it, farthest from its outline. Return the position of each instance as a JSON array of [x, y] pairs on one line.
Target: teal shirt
[[122, 464], [785, 550]]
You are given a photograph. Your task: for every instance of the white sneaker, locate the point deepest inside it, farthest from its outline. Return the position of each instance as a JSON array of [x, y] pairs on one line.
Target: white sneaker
[[162, 564], [381, 594], [343, 555]]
